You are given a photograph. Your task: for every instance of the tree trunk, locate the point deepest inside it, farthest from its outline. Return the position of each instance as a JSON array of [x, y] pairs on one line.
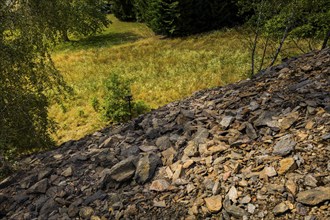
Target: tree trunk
[[326, 39], [65, 36], [254, 47], [263, 54], [285, 35]]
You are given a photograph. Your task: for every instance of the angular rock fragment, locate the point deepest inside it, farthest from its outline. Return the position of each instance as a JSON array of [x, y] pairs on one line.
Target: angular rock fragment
[[310, 180], [168, 156], [251, 208], [67, 172], [124, 170], [251, 132], [233, 194], [226, 121], [284, 146], [146, 167], [159, 185], [280, 208], [39, 187], [201, 135], [287, 165], [314, 196], [214, 203]]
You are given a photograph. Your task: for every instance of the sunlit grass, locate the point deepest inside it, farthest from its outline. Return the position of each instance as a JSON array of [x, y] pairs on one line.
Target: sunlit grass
[[161, 70]]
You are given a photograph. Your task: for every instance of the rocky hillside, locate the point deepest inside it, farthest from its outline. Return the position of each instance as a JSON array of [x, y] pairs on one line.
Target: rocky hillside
[[258, 149]]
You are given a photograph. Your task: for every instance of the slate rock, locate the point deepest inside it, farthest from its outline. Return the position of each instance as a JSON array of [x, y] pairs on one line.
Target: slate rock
[[233, 209], [226, 121], [146, 167], [124, 170], [191, 149], [49, 206], [39, 187], [163, 143], [284, 146], [67, 172], [159, 185], [201, 135], [251, 132], [314, 196], [310, 180], [286, 165], [280, 208], [130, 151], [99, 195]]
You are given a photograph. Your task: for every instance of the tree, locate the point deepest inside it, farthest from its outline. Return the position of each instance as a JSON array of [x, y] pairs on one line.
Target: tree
[[186, 17], [27, 76], [274, 22], [124, 10], [77, 17], [119, 104]]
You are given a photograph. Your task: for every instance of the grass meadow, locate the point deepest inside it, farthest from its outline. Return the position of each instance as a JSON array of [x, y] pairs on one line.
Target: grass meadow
[[161, 70]]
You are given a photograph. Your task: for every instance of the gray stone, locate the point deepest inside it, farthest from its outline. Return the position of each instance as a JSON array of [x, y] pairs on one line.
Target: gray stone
[[246, 199], [48, 207], [251, 208], [250, 131], [99, 195], [234, 210], [280, 208], [44, 173], [264, 119], [326, 136], [146, 148], [130, 151], [201, 135], [124, 170], [163, 143], [284, 146], [314, 196], [67, 172], [146, 167], [310, 180], [39, 187], [226, 121], [191, 149], [110, 142]]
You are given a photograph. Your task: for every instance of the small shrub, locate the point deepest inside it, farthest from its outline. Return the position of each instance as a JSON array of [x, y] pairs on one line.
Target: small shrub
[[116, 106], [95, 104]]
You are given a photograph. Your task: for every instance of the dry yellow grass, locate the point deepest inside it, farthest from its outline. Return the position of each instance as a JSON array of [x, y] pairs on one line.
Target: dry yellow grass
[[161, 70]]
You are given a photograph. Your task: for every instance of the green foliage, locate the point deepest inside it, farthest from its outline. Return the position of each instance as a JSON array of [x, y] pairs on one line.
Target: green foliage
[[95, 104], [116, 106], [185, 17], [27, 77], [76, 17], [124, 10], [279, 21]]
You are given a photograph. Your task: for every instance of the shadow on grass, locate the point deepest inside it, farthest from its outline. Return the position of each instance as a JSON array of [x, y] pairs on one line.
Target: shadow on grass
[[99, 41]]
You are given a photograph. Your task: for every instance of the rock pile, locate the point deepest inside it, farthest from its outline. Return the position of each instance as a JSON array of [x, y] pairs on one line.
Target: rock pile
[[258, 149]]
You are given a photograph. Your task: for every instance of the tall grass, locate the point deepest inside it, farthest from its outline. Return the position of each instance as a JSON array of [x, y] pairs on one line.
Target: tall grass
[[161, 70]]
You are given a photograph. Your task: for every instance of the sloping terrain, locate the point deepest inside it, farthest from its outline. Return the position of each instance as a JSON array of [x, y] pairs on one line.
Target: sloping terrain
[[258, 149]]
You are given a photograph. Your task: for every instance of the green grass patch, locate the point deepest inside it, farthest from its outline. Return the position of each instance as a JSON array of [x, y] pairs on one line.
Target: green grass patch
[[160, 70]]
